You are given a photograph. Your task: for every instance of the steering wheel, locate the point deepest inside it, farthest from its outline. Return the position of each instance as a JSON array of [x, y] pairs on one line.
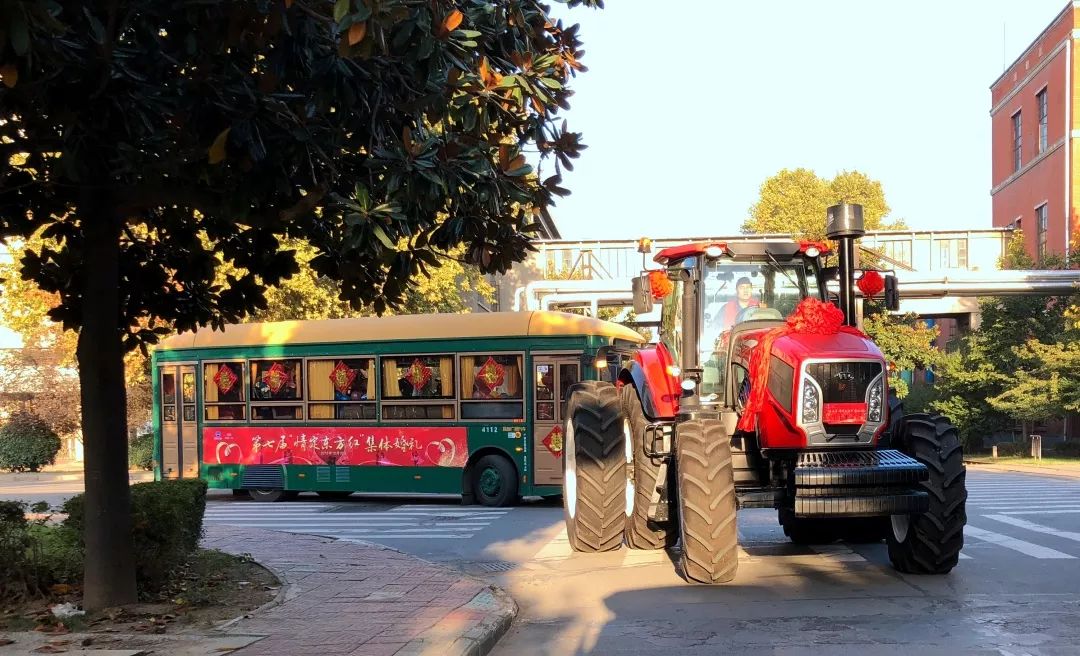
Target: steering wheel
[[758, 313]]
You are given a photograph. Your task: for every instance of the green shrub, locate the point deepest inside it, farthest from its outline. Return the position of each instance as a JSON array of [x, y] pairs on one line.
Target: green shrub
[[57, 554], [166, 526], [1011, 449], [16, 571], [1067, 450], [141, 452], [27, 443]]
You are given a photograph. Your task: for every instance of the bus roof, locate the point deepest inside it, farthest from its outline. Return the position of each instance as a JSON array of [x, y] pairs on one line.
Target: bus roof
[[400, 327]]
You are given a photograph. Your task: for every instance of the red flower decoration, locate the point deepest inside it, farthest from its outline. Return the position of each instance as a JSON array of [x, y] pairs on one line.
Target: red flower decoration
[[810, 317], [871, 283], [823, 247], [659, 284], [491, 375], [342, 377], [276, 377], [418, 375], [225, 379]]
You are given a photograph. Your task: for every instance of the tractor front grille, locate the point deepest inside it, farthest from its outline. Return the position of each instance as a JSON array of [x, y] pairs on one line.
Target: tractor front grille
[[844, 382]]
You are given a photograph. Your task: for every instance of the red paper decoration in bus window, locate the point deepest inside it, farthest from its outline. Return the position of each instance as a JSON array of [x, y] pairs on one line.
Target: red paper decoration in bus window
[[225, 379], [554, 442], [418, 375], [276, 377], [871, 283], [342, 377], [491, 375]]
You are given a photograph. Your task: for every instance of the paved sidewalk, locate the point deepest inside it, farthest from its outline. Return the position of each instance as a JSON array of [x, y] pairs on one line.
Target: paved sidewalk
[[362, 599], [8, 478], [1047, 470]]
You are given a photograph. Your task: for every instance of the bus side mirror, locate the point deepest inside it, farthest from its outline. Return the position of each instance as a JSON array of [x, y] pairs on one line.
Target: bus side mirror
[[892, 293], [643, 299]]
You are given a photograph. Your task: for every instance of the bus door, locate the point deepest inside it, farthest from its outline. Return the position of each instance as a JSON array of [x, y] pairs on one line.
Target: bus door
[[552, 377], [179, 428]]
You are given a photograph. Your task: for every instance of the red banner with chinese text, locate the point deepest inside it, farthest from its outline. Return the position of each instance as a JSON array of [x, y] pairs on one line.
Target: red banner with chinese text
[[394, 447]]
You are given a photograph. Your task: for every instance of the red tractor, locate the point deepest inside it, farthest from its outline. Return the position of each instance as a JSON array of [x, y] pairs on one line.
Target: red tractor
[[759, 394]]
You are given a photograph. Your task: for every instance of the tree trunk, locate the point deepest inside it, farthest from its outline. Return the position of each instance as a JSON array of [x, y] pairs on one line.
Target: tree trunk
[[110, 564]]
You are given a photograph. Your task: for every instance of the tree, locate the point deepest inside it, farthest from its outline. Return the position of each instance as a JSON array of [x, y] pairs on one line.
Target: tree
[[308, 295], [154, 142], [906, 342], [795, 201], [1015, 366]]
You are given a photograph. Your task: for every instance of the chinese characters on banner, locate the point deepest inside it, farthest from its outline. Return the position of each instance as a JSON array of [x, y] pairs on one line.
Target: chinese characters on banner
[[401, 447]]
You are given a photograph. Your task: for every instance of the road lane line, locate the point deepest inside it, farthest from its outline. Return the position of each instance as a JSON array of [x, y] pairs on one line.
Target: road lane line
[[1041, 512], [1038, 528], [1026, 548]]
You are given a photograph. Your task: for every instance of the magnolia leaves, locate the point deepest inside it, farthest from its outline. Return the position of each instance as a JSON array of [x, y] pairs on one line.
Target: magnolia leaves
[[512, 166], [9, 75], [449, 24], [216, 154]]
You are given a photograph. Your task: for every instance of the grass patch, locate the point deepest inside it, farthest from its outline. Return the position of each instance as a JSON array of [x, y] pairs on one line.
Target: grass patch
[[209, 588]]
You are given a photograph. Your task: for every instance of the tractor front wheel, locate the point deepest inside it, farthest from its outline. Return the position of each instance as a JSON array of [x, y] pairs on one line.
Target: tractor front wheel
[[594, 467], [930, 543], [706, 489], [641, 479]]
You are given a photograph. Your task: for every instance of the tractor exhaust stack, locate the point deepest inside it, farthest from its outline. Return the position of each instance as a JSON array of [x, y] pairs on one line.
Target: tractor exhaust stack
[[845, 225]]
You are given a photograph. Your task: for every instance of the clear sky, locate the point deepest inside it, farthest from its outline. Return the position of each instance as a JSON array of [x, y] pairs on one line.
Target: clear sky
[[688, 105]]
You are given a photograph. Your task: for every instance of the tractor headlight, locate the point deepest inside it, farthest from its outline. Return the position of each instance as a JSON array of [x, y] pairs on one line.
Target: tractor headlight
[[874, 404], [811, 403]]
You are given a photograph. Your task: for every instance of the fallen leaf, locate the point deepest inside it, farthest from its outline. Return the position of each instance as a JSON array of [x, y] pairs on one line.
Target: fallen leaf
[[60, 588], [9, 73], [6, 641], [357, 32], [217, 150], [49, 649], [288, 3]]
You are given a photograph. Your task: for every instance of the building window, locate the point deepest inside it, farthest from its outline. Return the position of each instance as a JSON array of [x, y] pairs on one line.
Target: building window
[[1040, 100], [952, 253], [1017, 157], [1040, 223], [897, 251]]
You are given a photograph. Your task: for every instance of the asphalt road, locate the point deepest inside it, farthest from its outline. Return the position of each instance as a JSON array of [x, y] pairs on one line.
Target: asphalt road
[[1016, 590]]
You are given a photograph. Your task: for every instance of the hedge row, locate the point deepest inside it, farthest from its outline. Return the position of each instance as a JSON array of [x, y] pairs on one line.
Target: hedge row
[[166, 526]]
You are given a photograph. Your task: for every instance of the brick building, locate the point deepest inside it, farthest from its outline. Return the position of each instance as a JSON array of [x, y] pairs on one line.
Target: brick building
[[1034, 118]]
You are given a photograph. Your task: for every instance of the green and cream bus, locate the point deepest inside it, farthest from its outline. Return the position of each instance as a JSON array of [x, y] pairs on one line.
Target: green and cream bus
[[469, 404]]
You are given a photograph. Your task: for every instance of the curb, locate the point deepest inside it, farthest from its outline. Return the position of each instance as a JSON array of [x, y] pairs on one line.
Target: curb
[[499, 609], [285, 592]]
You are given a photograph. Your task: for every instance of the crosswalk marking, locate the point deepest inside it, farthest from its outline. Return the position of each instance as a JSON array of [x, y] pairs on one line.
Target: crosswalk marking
[[398, 522], [1038, 528], [838, 552], [1026, 548], [1041, 512]]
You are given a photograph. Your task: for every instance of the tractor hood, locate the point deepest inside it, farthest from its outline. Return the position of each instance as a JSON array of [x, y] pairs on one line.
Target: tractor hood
[[841, 346]]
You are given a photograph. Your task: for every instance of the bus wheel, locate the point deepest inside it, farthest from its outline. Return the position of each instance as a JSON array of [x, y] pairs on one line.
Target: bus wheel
[[494, 481], [334, 494], [594, 469], [266, 495]]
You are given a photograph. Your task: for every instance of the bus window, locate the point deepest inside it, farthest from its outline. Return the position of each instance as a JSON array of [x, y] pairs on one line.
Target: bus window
[[223, 391], [343, 387], [491, 387], [408, 380], [276, 380]]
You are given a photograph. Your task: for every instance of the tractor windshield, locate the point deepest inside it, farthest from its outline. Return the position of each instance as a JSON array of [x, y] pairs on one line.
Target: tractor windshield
[[737, 291]]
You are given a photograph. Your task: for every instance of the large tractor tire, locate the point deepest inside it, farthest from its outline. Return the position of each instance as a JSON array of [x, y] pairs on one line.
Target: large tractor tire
[[930, 543], [594, 468], [706, 490], [641, 479]]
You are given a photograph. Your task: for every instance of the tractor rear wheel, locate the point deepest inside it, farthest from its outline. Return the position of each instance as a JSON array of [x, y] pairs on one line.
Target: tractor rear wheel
[[594, 468], [706, 490], [930, 543], [641, 479]]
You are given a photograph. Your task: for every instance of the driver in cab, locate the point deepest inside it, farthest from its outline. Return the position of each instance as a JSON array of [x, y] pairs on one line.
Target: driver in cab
[[744, 298]]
